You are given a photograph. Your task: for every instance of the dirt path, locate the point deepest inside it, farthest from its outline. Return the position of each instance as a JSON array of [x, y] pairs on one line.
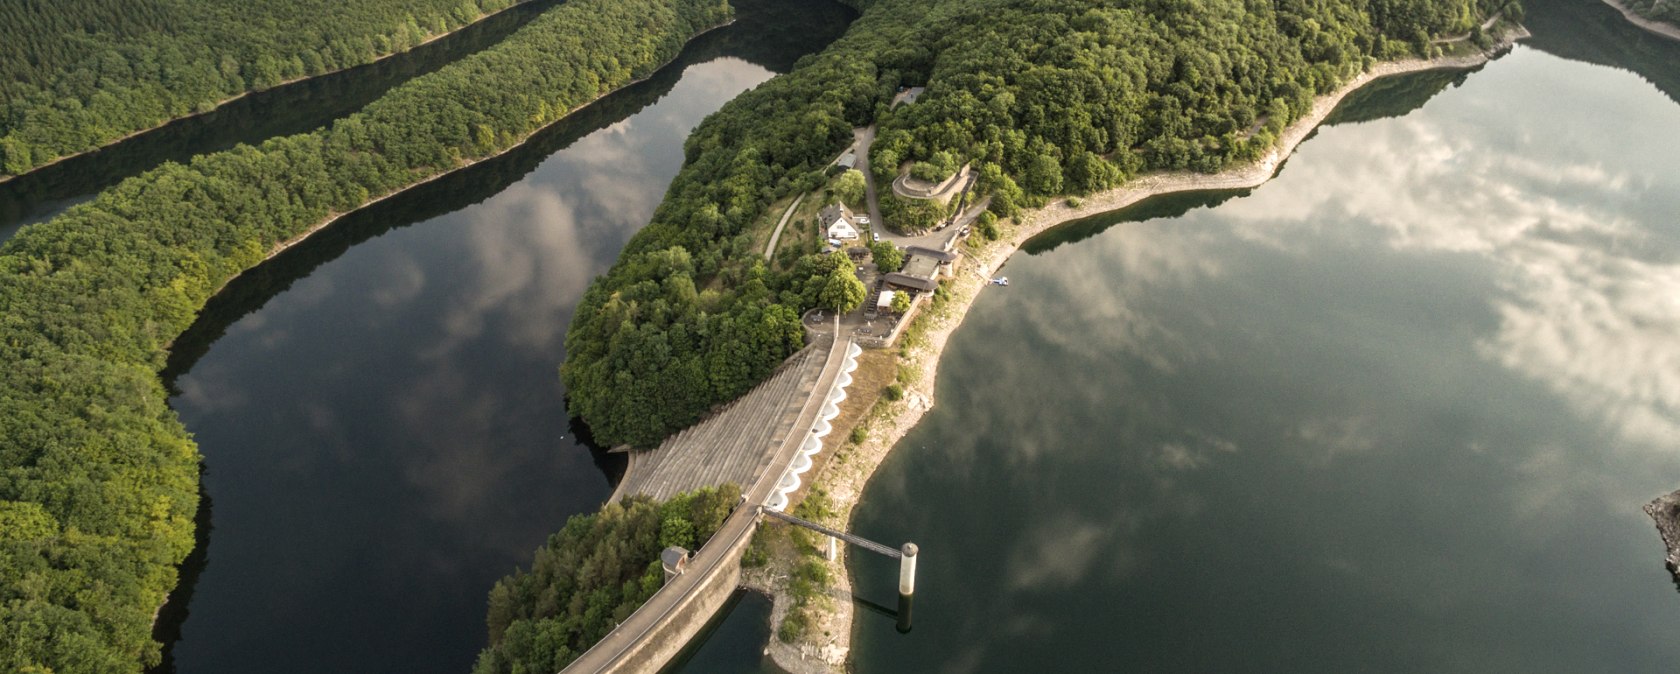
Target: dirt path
[[770, 248]]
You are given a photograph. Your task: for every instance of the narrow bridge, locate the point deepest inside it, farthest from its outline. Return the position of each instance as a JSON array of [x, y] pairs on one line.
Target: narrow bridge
[[856, 540]]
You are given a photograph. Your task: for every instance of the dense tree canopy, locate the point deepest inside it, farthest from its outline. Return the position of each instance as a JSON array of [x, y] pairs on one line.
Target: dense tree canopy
[[849, 188], [887, 257], [591, 576], [98, 480], [77, 74], [1658, 10], [1041, 96]]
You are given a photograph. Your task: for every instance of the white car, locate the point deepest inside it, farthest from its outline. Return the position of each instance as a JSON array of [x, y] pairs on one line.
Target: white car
[[877, 235], [862, 219]]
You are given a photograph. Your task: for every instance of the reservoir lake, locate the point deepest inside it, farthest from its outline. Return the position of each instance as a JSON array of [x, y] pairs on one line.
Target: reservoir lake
[[1395, 411], [379, 407]]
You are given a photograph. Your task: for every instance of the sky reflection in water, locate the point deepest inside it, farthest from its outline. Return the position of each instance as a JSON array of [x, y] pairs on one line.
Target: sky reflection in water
[[388, 436], [1394, 411]]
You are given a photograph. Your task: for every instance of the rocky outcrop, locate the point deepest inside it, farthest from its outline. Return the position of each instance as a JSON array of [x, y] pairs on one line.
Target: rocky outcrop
[[1666, 511]]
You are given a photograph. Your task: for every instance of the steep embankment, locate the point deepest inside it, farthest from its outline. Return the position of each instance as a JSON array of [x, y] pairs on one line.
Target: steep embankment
[[98, 480]]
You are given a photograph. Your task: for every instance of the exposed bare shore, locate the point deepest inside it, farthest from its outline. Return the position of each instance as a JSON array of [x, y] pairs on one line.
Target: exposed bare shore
[[1665, 511], [1667, 30], [845, 476]]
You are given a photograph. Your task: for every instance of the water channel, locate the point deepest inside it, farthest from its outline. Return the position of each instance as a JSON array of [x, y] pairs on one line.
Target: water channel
[[1394, 411], [379, 408], [292, 108]]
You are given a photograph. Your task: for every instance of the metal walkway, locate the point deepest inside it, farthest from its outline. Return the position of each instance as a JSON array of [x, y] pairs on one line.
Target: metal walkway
[[859, 541]]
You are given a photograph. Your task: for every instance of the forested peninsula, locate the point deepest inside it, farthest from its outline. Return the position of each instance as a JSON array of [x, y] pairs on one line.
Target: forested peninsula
[[1657, 16], [1667, 11], [76, 75], [98, 478], [1042, 97]]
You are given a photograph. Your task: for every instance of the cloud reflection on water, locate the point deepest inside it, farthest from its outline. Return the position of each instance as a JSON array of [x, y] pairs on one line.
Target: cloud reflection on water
[[1335, 369]]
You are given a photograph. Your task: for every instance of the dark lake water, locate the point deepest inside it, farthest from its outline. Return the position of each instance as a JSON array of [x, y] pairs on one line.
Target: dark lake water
[[292, 108], [1395, 411], [383, 424]]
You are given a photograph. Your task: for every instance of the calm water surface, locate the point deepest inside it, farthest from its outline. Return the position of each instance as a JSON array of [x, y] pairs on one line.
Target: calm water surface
[[1395, 411], [382, 421]]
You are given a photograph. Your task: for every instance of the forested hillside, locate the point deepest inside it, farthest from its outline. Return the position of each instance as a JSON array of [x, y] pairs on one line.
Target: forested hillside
[[77, 74], [592, 575], [1659, 10], [98, 480], [1045, 96]]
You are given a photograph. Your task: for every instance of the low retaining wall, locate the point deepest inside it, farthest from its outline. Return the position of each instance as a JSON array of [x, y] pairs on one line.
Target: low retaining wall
[[698, 594]]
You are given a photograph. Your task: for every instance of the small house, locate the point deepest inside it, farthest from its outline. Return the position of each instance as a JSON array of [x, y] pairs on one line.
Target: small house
[[837, 222]]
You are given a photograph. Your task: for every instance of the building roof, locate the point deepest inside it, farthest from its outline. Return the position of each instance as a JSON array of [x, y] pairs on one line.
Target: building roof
[[940, 255], [848, 160], [908, 281], [886, 299], [920, 266], [831, 213]]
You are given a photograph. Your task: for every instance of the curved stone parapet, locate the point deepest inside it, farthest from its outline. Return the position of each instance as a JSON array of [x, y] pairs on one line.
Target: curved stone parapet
[[813, 444]]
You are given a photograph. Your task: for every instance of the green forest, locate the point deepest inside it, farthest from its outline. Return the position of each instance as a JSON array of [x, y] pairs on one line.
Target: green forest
[[1659, 10], [78, 74], [98, 479], [1044, 97], [592, 575]]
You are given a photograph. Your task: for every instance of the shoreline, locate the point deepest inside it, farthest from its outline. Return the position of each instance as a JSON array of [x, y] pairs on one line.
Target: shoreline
[[847, 472], [331, 218], [1659, 28], [218, 104], [1665, 512]]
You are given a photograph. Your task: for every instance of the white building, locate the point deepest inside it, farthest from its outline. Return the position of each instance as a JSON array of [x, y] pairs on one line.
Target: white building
[[837, 222]]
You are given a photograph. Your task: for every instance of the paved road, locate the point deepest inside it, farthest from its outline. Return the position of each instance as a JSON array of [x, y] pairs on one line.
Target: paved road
[[936, 240], [712, 563]]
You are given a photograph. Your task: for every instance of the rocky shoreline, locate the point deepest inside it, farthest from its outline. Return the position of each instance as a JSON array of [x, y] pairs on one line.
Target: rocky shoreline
[[845, 474], [1665, 511]]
